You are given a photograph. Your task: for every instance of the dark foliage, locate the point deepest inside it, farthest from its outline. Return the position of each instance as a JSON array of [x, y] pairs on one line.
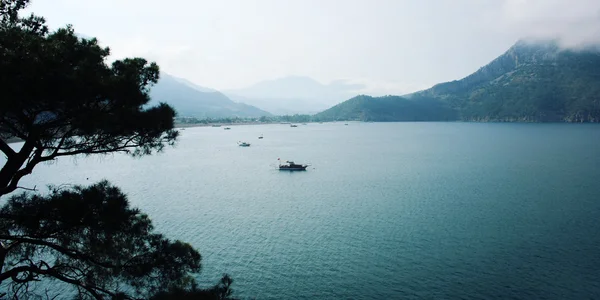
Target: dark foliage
[[91, 238], [61, 99]]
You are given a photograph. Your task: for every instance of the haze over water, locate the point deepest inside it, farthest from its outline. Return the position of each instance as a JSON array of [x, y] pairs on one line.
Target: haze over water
[[386, 210]]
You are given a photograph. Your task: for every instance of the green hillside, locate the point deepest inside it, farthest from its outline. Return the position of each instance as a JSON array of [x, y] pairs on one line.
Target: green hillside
[[387, 109]]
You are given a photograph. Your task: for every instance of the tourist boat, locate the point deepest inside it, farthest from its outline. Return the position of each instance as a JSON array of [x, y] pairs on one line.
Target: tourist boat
[[243, 144], [291, 166]]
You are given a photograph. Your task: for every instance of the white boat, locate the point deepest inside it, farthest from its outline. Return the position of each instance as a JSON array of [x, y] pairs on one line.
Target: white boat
[[289, 165], [243, 144]]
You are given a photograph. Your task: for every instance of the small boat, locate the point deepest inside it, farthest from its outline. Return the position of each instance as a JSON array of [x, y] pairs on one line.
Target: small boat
[[303, 123], [243, 144], [227, 128], [293, 125], [216, 125], [346, 124], [260, 137], [291, 166]]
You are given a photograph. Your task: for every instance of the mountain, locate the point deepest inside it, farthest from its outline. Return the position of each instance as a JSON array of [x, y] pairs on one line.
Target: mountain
[[282, 106], [191, 100], [294, 94], [387, 109], [192, 85], [531, 82]]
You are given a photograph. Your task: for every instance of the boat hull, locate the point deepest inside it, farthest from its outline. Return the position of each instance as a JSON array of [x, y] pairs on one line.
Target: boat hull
[[293, 169]]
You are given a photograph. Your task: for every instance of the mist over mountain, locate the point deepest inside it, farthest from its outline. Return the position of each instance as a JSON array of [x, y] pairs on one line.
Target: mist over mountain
[[531, 82], [191, 100], [294, 94]]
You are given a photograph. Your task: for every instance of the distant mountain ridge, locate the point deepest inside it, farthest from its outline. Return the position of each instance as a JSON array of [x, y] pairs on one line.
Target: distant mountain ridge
[[192, 85], [294, 94], [531, 82], [191, 100]]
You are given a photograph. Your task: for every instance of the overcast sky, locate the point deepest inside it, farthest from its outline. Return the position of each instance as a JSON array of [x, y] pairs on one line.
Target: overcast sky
[[391, 46]]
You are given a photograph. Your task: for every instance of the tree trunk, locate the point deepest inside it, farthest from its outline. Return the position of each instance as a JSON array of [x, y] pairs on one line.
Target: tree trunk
[[14, 164]]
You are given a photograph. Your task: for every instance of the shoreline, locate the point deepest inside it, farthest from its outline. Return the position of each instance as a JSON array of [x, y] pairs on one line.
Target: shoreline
[[186, 125], [192, 125]]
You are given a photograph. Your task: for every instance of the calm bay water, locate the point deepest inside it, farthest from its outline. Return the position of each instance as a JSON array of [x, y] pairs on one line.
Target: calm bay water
[[386, 210]]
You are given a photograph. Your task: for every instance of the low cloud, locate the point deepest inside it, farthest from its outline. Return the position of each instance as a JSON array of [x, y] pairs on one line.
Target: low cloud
[[574, 24]]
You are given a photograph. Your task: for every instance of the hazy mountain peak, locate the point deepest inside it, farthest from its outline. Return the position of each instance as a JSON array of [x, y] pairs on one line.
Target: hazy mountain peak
[[556, 45], [186, 82], [192, 100], [531, 82], [295, 94]]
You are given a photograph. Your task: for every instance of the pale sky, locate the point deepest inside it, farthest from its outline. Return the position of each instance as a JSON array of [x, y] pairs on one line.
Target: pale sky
[[390, 46]]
